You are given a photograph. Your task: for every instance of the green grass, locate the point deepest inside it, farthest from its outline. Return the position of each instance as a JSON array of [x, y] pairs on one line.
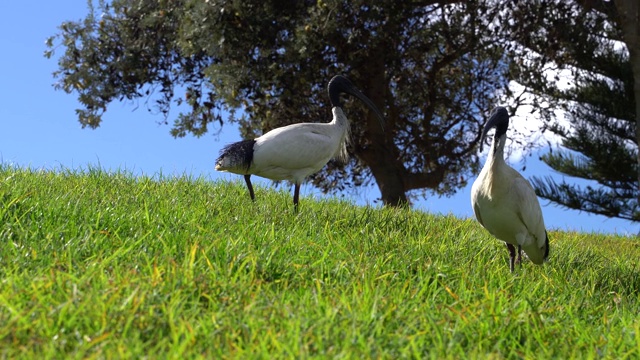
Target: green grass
[[106, 265]]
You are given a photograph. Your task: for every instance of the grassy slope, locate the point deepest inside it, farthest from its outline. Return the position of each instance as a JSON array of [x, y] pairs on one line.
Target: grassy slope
[[95, 264]]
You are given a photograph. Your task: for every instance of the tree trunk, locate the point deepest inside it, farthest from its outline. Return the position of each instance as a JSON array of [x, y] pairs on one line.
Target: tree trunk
[[381, 158], [392, 177], [628, 13], [388, 176]]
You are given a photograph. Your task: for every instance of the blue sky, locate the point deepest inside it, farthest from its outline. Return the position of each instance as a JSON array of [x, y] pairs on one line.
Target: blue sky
[[39, 127]]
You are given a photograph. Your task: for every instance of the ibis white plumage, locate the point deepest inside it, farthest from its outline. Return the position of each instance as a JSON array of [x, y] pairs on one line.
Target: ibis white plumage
[[505, 203], [295, 151]]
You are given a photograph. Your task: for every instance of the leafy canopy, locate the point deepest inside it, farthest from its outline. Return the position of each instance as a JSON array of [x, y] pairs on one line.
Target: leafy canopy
[[433, 67]]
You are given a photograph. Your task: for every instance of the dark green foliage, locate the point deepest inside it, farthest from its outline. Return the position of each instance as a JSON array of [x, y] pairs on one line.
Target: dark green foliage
[[598, 128], [130, 52], [432, 67]]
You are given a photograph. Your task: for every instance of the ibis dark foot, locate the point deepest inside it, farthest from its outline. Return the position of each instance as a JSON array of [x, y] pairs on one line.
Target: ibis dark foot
[[512, 256], [247, 179], [296, 196]]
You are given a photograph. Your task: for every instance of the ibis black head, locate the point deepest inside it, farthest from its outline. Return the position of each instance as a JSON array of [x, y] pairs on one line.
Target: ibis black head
[[340, 84], [500, 120]]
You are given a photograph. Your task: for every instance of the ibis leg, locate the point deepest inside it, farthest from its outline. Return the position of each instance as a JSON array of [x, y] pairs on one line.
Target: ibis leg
[[512, 256], [519, 259], [247, 179], [296, 196]]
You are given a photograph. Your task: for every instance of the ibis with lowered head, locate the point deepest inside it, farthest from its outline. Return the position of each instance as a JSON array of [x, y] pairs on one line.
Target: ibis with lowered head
[[295, 151], [505, 203]]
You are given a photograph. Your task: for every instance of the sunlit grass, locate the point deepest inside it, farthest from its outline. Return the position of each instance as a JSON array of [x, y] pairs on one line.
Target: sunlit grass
[[96, 264]]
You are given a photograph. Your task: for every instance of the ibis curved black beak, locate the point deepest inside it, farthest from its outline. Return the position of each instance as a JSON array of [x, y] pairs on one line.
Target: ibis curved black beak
[[500, 120], [340, 84]]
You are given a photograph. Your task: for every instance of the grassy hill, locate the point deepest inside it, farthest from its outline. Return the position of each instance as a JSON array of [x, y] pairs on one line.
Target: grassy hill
[[96, 264]]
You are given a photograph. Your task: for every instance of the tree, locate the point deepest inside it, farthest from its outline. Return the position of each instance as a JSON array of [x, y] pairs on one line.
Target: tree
[[431, 65], [585, 40], [628, 16]]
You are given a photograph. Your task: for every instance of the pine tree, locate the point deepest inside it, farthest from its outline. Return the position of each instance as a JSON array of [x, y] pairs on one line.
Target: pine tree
[[595, 116]]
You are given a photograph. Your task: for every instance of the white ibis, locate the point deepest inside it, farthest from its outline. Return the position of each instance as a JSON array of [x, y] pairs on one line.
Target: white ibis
[[505, 203], [295, 151]]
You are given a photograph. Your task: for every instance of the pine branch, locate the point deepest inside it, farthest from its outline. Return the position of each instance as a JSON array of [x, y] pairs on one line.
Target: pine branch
[[592, 200]]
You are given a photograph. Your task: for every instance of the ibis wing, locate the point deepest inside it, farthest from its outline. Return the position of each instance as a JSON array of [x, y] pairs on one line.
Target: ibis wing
[[476, 212], [476, 190], [528, 207], [295, 147]]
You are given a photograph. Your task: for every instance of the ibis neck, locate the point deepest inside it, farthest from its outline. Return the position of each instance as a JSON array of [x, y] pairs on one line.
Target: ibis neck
[[339, 118], [342, 132], [496, 154]]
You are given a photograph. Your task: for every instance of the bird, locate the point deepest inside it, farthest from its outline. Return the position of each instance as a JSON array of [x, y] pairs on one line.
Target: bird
[[505, 203], [295, 151]]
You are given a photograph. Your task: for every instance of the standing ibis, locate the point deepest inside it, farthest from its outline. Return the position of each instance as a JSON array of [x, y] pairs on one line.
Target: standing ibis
[[295, 151], [505, 203]]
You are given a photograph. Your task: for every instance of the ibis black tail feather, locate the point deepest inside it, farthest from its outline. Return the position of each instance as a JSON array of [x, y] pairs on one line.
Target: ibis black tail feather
[[238, 155], [546, 243]]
